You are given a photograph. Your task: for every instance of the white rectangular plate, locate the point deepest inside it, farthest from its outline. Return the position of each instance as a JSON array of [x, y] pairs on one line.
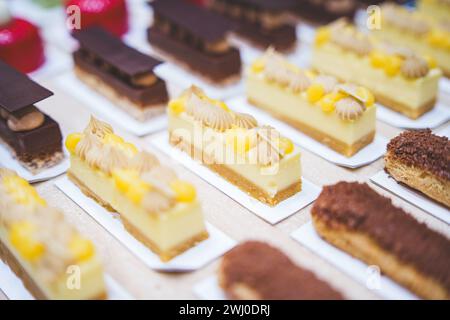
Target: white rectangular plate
[[383, 180], [14, 289], [444, 85], [355, 268], [106, 108], [206, 251], [365, 156], [55, 63], [7, 161], [433, 118], [209, 289], [172, 73], [272, 215]]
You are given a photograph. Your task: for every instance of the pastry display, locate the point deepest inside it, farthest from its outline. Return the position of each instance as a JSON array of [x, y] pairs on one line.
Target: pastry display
[[42, 248], [400, 79], [21, 44], [340, 115], [155, 206], [261, 23], [255, 270], [120, 73], [435, 9], [33, 137], [253, 157], [195, 38], [356, 219], [411, 29], [111, 15], [326, 10], [421, 160]]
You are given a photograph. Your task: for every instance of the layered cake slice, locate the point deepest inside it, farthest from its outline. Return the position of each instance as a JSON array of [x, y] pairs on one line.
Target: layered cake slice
[[196, 39], [399, 78], [48, 254], [155, 206], [324, 11], [254, 157], [340, 115], [411, 29], [33, 137], [421, 160], [120, 73], [262, 23], [356, 219], [255, 270]]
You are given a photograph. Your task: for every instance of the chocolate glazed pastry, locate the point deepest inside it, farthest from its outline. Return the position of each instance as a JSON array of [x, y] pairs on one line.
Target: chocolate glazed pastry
[[256, 270], [121, 73], [262, 23], [33, 137], [196, 39], [325, 11], [356, 219]]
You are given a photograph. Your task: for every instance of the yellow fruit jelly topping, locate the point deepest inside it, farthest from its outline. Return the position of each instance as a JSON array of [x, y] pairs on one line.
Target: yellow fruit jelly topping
[[377, 59], [327, 103], [81, 248], [432, 63], [392, 66], [258, 66], [286, 145], [118, 142], [72, 141], [177, 106], [439, 38], [184, 191], [366, 96], [129, 183], [315, 92], [22, 192], [239, 140], [322, 36], [21, 237]]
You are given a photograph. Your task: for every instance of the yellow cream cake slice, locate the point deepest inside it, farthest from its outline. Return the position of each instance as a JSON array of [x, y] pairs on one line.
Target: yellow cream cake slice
[[399, 78], [412, 29], [339, 115], [50, 257], [254, 157], [435, 9], [155, 206]]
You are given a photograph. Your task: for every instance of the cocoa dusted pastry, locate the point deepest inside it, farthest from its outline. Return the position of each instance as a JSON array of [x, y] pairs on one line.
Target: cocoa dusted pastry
[[421, 160], [196, 39], [120, 73], [33, 137], [263, 23], [255, 270], [324, 11], [356, 219]]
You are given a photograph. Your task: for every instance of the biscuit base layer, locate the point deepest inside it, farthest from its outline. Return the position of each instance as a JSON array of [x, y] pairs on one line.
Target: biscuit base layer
[[403, 109], [237, 179], [364, 248], [163, 255], [419, 179], [8, 257], [137, 112], [335, 144]]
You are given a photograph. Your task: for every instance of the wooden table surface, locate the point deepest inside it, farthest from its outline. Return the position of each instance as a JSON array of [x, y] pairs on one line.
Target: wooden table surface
[[220, 210]]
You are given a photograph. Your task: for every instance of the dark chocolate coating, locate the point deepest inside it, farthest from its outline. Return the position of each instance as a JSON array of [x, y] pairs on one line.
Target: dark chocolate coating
[[321, 12]]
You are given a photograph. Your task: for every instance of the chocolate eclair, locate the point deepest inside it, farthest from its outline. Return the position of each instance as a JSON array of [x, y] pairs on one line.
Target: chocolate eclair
[[196, 39], [120, 73], [421, 160], [255, 270], [325, 11], [262, 23], [358, 220], [33, 137]]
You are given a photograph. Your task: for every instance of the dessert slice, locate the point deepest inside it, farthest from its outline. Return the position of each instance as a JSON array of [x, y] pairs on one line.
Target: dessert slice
[[155, 206], [255, 270], [411, 29], [255, 158], [437, 10], [421, 160], [195, 38], [398, 77], [33, 137], [120, 73], [327, 10], [50, 257], [340, 115], [356, 219], [262, 23]]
